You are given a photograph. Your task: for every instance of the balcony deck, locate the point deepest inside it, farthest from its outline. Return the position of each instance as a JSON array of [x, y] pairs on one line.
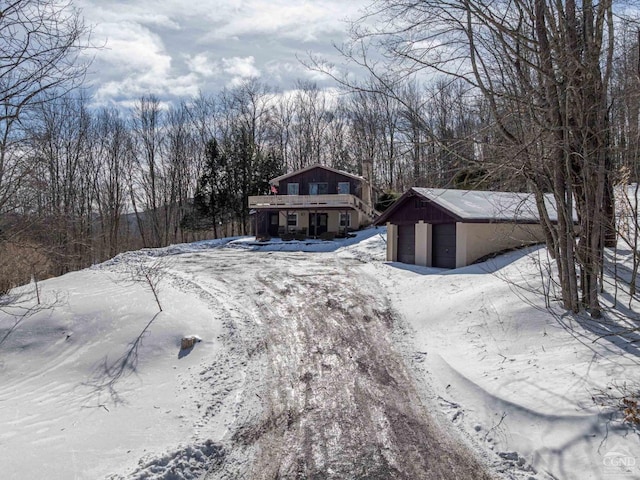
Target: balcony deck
[[305, 201]]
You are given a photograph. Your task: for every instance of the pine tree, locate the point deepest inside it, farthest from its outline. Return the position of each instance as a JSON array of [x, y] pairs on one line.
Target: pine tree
[[211, 197]]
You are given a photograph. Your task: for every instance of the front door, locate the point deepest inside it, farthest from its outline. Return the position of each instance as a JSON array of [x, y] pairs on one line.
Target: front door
[[317, 223], [274, 219]]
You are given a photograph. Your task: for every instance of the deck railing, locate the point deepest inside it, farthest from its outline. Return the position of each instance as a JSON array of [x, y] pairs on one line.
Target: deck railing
[[293, 202], [304, 201]]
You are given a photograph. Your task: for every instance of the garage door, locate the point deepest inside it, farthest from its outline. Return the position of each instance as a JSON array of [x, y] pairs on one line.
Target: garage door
[[407, 243], [444, 245]]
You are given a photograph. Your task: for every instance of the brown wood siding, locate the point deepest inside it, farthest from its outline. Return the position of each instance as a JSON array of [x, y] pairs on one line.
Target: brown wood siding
[[320, 175], [414, 209]]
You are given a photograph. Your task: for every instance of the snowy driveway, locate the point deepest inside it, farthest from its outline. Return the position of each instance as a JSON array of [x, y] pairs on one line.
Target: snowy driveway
[[324, 395], [302, 372]]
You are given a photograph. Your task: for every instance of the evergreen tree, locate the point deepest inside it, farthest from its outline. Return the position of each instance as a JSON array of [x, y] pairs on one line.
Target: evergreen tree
[[211, 198]]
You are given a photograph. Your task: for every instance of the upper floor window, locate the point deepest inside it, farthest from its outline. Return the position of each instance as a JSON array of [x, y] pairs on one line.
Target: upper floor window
[[344, 187], [293, 188], [318, 188]]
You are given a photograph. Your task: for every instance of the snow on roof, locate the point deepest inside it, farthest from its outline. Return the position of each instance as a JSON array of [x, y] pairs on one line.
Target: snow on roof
[[475, 205]]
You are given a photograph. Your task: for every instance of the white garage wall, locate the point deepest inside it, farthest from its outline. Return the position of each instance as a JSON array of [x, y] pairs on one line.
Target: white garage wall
[[423, 244], [475, 240]]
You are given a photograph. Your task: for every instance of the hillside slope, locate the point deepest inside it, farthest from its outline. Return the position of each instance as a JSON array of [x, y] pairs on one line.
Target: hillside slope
[[315, 358]]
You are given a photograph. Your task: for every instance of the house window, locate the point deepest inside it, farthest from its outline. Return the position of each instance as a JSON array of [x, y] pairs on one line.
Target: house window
[[420, 203], [292, 220], [345, 219], [318, 188], [344, 187], [293, 188]]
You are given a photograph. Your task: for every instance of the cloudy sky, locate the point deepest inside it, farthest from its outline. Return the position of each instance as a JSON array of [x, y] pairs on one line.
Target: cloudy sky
[[176, 48]]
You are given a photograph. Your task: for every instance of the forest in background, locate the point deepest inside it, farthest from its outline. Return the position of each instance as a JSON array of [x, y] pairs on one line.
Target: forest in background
[[82, 184], [549, 102]]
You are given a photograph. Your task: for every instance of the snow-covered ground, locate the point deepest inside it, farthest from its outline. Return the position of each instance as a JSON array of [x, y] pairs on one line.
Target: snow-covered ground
[[308, 344]]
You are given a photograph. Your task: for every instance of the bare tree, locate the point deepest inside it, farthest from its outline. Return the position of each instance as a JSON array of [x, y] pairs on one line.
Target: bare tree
[[416, 132], [280, 129], [202, 113], [19, 304], [181, 169], [544, 69], [370, 133], [309, 126], [147, 270], [337, 140], [146, 181], [111, 164], [41, 42], [61, 145]]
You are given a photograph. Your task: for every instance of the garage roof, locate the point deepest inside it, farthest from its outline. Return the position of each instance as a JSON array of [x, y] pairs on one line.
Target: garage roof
[[480, 206]]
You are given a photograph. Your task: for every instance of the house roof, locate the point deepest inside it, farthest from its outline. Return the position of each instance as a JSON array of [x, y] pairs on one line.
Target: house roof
[[479, 206], [275, 181]]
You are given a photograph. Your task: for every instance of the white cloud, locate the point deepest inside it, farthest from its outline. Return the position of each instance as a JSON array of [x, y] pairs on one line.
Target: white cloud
[[171, 48], [234, 69], [277, 70], [302, 21], [133, 87], [132, 47], [201, 65], [240, 67], [159, 14]]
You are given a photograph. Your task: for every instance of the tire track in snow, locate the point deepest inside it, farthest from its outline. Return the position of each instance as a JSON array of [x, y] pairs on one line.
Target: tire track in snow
[[227, 386], [338, 401]]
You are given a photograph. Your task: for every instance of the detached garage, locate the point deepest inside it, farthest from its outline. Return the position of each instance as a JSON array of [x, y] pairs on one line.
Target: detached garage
[[454, 228]]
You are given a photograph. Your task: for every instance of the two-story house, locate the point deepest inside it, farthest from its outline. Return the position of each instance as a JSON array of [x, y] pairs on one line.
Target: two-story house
[[315, 201]]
